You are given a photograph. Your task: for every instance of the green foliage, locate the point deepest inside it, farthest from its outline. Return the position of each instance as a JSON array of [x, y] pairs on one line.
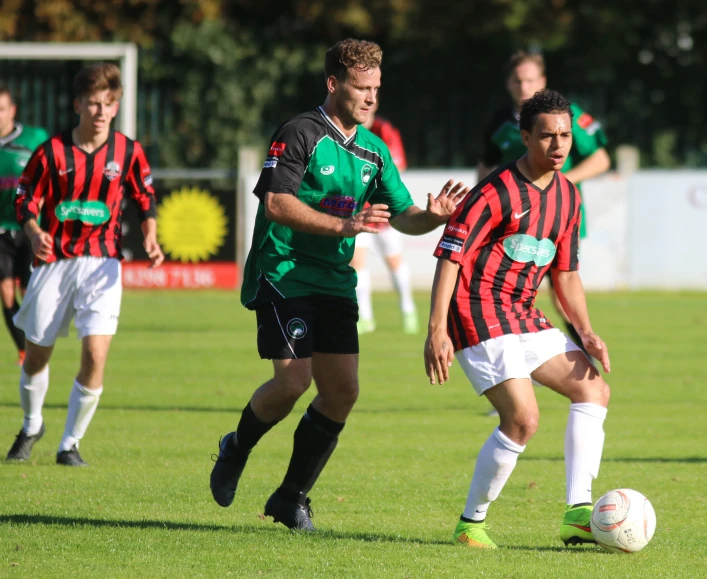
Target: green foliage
[[233, 71]]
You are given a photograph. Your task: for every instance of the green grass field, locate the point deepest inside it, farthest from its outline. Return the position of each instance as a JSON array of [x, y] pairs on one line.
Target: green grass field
[[184, 364]]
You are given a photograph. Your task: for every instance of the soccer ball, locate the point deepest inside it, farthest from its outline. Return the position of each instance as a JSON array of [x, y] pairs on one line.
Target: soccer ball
[[623, 521]]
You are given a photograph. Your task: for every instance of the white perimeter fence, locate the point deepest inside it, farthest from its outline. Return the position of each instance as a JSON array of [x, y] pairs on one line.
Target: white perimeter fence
[[645, 231]]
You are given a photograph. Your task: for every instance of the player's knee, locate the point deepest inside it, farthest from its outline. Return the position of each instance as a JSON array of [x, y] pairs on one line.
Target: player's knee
[[36, 358], [348, 394], [522, 427], [594, 390], [295, 384], [92, 361], [603, 393], [33, 366], [341, 395]]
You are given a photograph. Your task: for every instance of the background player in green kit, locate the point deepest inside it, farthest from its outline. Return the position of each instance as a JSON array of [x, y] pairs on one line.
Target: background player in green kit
[[322, 167], [525, 75], [17, 143]]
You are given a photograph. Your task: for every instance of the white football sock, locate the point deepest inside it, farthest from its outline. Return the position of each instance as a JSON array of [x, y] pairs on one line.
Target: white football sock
[[495, 463], [401, 280], [363, 295], [33, 389], [584, 441], [82, 406]]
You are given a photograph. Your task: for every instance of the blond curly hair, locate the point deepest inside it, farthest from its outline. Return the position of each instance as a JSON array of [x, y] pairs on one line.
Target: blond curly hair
[[351, 54]]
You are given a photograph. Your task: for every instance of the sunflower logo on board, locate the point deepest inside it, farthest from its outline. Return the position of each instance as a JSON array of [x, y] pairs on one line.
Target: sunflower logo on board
[[192, 225]]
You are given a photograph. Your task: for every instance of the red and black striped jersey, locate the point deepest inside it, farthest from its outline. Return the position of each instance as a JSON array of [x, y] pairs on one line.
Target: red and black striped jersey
[[507, 234], [390, 135], [78, 196]]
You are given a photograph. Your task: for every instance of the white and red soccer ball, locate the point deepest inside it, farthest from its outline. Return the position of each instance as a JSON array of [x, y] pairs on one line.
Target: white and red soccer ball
[[623, 521]]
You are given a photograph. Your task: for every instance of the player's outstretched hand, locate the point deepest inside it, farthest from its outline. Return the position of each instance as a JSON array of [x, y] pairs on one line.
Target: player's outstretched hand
[[597, 348], [357, 223], [442, 206], [42, 244], [154, 251], [439, 355]]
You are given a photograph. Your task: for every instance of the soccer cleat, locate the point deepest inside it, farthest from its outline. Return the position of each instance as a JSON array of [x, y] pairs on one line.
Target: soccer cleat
[[365, 326], [294, 514], [228, 469], [70, 457], [575, 529], [473, 535], [410, 324], [23, 445]]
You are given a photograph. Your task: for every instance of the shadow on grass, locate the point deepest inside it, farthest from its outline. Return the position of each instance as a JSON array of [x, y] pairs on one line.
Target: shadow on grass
[[685, 459], [49, 520], [227, 410], [587, 550]]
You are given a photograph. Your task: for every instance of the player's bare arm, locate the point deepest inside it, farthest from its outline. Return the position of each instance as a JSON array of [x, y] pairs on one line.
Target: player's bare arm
[[42, 242], [596, 164], [287, 210], [152, 248], [570, 290], [415, 221], [439, 353]]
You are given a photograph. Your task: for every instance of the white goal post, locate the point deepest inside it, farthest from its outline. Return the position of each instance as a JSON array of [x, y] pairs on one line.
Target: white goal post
[[125, 53]]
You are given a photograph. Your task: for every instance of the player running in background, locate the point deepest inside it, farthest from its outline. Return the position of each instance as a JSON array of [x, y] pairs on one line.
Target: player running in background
[[389, 243], [321, 169], [519, 223], [525, 75], [74, 185], [17, 142]]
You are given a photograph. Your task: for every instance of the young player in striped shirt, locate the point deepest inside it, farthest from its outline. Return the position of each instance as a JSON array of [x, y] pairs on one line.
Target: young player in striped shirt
[[516, 225], [74, 186]]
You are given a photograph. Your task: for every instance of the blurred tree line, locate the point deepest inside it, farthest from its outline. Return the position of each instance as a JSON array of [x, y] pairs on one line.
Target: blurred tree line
[[229, 72]]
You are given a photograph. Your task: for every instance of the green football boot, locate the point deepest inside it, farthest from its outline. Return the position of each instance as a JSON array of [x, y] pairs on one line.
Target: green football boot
[[473, 535], [411, 325], [575, 528], [365, 326]]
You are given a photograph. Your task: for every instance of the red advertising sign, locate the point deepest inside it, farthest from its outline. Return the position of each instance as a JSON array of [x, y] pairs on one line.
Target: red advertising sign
[[171, 275]]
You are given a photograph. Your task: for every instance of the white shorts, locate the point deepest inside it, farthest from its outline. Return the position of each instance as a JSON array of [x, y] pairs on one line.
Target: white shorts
[[88, 287], [511, 356], [388, 241]]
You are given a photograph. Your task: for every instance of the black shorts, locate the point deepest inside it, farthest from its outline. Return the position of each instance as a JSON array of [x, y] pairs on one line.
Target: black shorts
[[296, 327], [15, 256]]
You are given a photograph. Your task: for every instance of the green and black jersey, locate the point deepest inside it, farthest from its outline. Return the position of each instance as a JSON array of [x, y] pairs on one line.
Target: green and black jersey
[[311, 158], [503, 143], [15, 151]]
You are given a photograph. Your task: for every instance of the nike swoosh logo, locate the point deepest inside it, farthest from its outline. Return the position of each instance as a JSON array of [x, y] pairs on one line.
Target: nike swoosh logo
[[519, 215], [62, 173]]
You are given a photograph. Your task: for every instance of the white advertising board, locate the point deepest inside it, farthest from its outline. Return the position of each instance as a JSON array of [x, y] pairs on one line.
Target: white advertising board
[[666, 227]]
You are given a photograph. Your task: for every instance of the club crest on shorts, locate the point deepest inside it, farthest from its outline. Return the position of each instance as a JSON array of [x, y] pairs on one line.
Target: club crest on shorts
[[296, 328], [112, 170]]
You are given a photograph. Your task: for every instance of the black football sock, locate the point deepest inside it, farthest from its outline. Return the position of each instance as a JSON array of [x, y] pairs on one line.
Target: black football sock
[[251, 429], [315, 440], [17, 335]]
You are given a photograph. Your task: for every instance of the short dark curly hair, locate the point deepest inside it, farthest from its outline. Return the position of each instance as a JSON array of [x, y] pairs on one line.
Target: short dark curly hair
[[542, 102], [351, 54]]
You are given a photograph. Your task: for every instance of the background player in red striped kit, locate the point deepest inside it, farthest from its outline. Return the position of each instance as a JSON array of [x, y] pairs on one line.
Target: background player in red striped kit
[[388, 242], [74, 185], [519, 223]]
